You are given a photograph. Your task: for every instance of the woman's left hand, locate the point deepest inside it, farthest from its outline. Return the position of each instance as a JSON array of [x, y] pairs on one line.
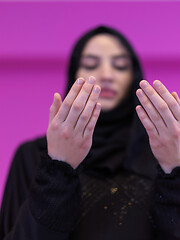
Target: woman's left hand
[[161, 119]]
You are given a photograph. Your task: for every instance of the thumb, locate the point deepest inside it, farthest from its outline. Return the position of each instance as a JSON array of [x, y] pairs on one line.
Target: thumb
[[55, 106]]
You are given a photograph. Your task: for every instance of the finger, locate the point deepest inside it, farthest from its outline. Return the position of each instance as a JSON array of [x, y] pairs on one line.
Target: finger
[[68, 101], [55, 106], [175, 95], [89, 129], [151, 111], [80, 102], [168, 98], [87, 111], [147, 123], [159, 103]]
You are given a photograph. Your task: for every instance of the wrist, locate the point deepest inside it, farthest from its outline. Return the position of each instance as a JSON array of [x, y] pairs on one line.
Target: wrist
[[53, 157], [168, 168]]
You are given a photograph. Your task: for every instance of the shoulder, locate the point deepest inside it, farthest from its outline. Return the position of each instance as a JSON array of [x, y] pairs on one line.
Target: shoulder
[[32, 148], [21, 174], [36, 144], [28, 155]]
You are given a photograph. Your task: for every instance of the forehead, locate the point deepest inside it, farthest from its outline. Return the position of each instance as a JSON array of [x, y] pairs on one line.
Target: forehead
[[104, 44]]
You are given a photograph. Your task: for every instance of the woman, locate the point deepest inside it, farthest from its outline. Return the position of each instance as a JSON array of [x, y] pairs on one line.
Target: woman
[[114, 178]]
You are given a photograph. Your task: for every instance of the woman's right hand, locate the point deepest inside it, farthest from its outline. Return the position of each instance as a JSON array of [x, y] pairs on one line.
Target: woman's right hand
[[72, 122]]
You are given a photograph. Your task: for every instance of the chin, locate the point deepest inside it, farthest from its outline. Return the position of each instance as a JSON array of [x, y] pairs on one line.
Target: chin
[[107, 105]]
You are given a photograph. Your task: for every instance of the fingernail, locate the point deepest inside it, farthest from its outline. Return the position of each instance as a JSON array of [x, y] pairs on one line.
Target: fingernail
[[139, 92], [96, 89], [157, 83], [80, 81], [98, 106], [55, 96], [144, 84], [92, 80], [138, 109]]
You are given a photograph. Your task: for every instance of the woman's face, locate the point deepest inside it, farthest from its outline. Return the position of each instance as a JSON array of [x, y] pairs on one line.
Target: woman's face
[[108, 61]]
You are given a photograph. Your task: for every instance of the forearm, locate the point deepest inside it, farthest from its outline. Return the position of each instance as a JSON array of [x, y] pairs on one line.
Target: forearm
[[55, 194]]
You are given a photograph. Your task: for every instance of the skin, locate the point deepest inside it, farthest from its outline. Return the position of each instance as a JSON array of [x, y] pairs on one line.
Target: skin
[[108, 61], [72, 122], [160, 115]]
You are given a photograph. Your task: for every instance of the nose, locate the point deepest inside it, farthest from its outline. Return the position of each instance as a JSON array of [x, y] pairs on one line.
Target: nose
[[106, 73]]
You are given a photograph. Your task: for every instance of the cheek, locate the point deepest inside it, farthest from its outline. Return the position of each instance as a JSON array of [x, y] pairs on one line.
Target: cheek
[[79, 74], [124, 80]]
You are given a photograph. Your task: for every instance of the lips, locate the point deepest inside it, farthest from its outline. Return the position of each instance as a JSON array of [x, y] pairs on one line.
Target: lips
[[107, 93]]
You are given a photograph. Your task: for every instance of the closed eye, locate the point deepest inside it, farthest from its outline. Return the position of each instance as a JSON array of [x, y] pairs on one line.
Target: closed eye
[[89, 62], [89, 67]]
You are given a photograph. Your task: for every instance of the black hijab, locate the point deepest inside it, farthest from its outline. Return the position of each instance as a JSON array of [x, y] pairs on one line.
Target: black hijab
[[120, 141]]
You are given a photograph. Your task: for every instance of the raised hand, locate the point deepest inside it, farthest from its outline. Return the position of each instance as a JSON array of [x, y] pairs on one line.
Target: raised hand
[[161, 119], [72, 122]]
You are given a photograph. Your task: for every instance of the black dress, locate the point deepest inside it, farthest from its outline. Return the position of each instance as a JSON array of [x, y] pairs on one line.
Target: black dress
[[47, 199]]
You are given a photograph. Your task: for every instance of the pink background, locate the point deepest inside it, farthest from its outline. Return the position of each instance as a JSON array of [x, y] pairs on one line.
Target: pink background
[[35, 42]]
